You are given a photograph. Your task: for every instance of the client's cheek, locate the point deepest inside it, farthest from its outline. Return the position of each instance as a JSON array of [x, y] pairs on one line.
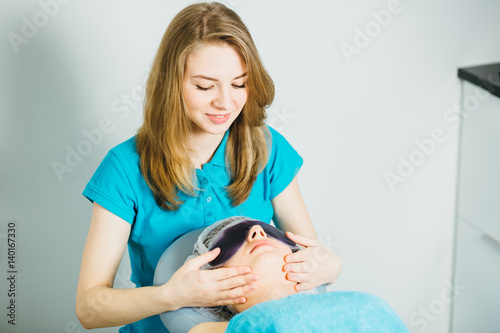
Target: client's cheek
[[269, 266], [235, 262]]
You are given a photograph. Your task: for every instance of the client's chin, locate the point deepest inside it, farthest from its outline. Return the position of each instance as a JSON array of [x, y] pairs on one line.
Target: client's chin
[[272, 283]]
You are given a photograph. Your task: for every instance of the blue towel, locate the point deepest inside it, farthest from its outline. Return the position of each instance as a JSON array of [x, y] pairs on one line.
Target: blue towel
[[340, 311]]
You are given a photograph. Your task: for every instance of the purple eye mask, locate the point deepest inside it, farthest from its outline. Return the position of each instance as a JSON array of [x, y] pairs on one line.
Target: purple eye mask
[[232, 238]]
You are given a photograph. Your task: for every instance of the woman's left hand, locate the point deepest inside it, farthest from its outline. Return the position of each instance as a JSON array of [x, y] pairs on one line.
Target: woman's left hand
[[312, 266]]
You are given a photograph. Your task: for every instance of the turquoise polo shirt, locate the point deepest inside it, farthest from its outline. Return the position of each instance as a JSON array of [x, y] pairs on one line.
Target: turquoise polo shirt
[[119, 186]]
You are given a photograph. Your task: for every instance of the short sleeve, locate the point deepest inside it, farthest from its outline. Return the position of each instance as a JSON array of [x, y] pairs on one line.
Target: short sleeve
[[110, 187], [283, 165]]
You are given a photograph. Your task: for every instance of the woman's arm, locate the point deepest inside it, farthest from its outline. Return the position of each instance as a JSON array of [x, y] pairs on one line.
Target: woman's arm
[[97, 303], [210, 327], [290, 213], [316, 264]]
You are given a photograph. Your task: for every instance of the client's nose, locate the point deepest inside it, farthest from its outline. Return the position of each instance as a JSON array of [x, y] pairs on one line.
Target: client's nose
[[256, 232]]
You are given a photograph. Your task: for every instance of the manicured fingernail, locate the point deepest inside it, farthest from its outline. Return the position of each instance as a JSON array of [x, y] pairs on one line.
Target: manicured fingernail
[[255, 278]]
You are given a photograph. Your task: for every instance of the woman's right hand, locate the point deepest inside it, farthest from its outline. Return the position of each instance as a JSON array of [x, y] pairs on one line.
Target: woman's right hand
[[192, 287]]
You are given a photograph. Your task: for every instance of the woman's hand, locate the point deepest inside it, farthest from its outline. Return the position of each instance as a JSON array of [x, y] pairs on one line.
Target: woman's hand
[[190, 286], [312, 266]]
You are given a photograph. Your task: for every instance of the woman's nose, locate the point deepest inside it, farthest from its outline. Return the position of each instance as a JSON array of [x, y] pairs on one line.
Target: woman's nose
[[256, 232], [223, 100]]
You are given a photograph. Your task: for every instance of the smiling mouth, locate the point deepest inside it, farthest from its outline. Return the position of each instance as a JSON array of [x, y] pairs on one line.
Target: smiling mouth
[[218, 114], [217, 118]]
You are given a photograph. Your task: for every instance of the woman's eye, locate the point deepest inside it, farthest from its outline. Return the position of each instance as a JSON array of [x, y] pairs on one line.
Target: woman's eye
[[202, 88], [209, 88]]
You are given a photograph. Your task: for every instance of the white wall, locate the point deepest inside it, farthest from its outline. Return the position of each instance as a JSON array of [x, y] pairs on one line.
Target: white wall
[[351, 118]]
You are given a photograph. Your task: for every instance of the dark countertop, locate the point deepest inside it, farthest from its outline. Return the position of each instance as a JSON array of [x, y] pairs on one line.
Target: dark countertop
[[484, 76]]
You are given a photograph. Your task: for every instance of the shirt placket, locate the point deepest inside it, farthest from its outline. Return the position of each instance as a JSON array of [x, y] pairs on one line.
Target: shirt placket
[[206, 195]]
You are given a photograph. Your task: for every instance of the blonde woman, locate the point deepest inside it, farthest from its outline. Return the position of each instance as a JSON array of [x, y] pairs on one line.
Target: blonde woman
[[202, 154]]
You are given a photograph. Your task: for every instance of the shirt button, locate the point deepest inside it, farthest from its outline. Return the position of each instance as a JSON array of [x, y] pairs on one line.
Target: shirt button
[[209, 199], [204, 181], [210, 214]]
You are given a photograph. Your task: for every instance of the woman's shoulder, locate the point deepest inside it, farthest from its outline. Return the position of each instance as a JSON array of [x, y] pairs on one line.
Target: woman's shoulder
[[123, 157], [277, 139], [273, 132], [126, 149], [279, 144]]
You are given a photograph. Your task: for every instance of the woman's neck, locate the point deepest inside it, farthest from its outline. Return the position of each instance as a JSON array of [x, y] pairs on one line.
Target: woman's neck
[[202, 147]]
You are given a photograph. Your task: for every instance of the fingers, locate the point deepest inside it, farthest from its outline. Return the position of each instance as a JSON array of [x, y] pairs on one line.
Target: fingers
[[235, 285], [203, 259], [228, 272], [298, 277], [295, 267], [212, 287], [302, 240], [238, 281], [234, 296], [318, 253], [312, 266], [232, 278], [300, 256], [304, 286]]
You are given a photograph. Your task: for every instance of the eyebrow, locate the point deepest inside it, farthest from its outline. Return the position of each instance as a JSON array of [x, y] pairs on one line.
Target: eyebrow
[[212, 79]]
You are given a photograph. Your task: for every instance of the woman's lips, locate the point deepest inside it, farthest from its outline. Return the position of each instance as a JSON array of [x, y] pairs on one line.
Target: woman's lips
[[261, 243], [218, 119]]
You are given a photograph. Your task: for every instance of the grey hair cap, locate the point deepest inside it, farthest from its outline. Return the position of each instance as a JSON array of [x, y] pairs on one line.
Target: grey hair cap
[[207, 236]]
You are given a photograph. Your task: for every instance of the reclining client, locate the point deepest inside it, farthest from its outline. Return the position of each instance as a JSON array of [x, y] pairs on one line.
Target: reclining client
[[270, 306]]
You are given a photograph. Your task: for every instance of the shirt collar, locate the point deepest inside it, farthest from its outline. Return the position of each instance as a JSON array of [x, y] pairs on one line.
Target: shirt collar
[[219, 157]]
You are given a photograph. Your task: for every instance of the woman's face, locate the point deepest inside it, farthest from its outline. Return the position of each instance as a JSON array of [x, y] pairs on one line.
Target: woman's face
[[264, 254], [214, 87]]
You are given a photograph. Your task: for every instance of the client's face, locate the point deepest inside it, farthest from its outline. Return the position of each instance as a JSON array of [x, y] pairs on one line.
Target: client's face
[[259, 251], [265, 254]]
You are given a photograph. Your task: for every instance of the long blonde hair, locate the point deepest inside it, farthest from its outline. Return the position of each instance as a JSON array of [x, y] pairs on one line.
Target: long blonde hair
[[162, 138]]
